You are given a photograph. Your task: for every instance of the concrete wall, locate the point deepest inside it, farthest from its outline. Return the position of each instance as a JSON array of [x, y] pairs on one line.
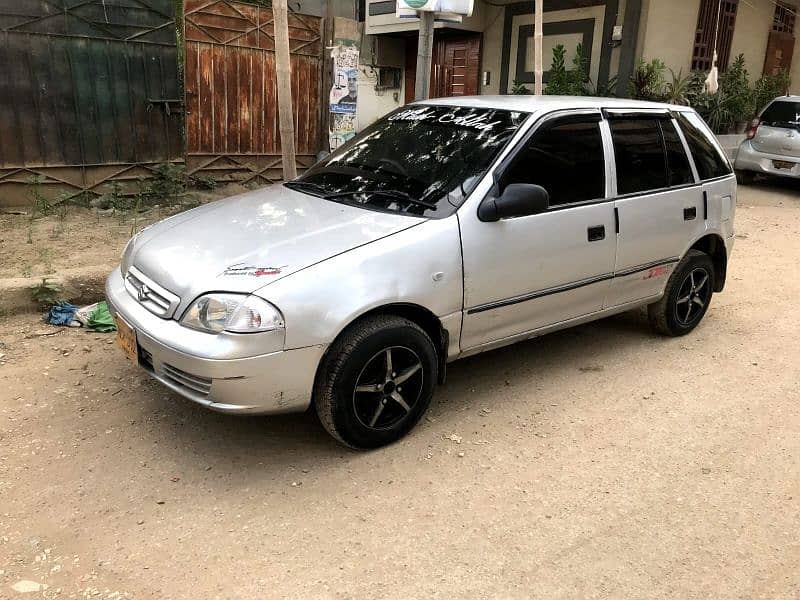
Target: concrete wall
[[372, 103], [753, 23], [492, 50], [667, 32], [668, 28]]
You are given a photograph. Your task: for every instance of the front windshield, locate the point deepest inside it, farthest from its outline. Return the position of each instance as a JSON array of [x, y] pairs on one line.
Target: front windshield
[[419, 160]]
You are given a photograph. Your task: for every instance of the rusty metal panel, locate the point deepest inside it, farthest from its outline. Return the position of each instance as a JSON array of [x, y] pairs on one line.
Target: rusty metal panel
[[230, 81], [88, 82]]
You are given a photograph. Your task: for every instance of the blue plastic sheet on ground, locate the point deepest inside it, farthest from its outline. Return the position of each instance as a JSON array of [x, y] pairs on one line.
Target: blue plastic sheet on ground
[[62, 314]]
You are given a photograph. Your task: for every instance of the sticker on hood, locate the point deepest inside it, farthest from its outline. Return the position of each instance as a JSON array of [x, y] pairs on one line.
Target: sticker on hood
[[243, 269]]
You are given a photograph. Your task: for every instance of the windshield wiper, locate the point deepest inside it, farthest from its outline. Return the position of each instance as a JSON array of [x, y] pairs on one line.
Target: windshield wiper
[[307, 186], [405, 197]]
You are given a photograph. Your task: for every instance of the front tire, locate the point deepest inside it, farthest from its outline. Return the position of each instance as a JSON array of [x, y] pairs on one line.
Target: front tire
[[687, 296], [376, 381]]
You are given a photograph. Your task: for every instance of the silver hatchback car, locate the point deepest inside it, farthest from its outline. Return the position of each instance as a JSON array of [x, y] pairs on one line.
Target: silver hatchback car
[[772, 146], [447, 228]]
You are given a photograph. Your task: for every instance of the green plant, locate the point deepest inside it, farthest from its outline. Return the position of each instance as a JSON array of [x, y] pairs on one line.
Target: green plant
[[716, 111], [677, 90], [46, 293], [46, 257], [40, 202], [564, 81], [647, 81], [519, 89], [204, 182], [695, 87], [168, 183], [768, 87], [734, 85], [607, 90]]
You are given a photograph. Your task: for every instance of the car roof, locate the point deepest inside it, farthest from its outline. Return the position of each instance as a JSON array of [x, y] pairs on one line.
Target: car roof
[[534, 104], [787, 99]]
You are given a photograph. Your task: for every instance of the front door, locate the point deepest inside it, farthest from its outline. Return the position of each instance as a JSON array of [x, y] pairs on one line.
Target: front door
[[455, 66], [526, 273]]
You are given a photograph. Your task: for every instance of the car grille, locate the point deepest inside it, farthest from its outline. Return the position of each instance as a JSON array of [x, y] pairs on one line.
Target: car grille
[[149, 294], [193, 383]]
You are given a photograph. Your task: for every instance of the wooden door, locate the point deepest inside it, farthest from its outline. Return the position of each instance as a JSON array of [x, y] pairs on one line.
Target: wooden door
[[455, 66], [780, 48]]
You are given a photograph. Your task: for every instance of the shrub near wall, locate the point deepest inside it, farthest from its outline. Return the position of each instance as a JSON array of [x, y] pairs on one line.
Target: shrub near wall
[[734, 104]]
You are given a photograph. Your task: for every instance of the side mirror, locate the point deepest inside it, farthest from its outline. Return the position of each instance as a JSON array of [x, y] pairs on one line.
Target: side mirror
[[517, 200]]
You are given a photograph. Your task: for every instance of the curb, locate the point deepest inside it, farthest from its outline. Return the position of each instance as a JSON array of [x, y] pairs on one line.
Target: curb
[[79, 286]]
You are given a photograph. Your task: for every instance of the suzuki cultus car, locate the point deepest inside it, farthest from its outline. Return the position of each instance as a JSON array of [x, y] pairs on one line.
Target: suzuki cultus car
[[445, 229]]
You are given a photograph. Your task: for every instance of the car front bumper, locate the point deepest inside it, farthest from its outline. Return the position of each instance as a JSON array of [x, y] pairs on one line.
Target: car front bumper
[[271, 383], [750, 159]]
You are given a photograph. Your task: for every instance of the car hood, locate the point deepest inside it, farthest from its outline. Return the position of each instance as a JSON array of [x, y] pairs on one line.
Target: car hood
[[245, 242]]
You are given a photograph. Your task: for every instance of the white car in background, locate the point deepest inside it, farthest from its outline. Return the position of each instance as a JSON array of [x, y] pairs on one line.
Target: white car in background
[[772, 146]]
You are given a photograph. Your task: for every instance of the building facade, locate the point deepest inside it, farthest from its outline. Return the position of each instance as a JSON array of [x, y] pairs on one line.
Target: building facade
[[492, 50]]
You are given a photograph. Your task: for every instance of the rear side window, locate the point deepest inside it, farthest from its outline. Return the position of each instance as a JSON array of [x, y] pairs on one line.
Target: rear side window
[[565, 157], [678, 169], [639, 154], [781, 114], [709, 160]]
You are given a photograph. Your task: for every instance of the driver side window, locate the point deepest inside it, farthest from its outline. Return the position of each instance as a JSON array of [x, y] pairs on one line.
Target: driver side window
[[565, 157]]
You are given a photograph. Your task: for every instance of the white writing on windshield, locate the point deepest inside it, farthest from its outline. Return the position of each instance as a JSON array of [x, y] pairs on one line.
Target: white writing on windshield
[[479, 122]]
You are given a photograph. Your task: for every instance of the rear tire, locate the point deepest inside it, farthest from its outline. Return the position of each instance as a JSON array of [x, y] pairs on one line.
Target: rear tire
[[376, 381], [745, 177], [686, 297]]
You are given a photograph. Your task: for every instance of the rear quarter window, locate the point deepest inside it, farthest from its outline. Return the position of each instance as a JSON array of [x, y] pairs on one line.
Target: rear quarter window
[[708, 157]]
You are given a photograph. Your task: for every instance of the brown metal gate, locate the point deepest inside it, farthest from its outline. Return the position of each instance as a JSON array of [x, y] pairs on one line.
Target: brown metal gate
[[231, 106], [88, 93]]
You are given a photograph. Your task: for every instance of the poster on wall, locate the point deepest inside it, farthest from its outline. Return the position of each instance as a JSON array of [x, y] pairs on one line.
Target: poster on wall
[[344, 93]]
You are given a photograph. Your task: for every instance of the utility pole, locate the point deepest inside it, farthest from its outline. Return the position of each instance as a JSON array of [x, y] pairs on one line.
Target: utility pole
[[424, 53], [537, 47], [280, 12], [327, 72]]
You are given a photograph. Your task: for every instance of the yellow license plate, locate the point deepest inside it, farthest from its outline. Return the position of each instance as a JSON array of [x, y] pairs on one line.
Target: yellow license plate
[[782, 164], [126, 338]]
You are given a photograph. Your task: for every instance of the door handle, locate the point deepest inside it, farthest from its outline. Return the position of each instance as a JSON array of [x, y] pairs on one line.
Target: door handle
[[690, 214], [596, 233]]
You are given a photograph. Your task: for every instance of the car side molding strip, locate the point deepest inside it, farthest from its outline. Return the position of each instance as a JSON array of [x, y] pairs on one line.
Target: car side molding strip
[[569, 286]]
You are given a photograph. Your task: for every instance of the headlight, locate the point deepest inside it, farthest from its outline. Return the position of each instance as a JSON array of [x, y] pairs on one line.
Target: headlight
[[232, 312], [127, 255]]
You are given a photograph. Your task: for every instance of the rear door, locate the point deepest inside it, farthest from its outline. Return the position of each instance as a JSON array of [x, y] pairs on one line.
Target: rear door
[[659, 205], [713, 170]]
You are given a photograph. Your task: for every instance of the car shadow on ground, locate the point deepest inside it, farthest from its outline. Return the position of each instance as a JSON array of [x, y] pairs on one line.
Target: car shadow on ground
[[195, 436]]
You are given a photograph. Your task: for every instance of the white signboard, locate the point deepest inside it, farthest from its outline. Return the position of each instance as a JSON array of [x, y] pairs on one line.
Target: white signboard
[[446, 10]]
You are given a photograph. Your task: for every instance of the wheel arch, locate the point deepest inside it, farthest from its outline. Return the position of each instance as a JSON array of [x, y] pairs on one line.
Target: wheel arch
[[416, 313], [713, 245]]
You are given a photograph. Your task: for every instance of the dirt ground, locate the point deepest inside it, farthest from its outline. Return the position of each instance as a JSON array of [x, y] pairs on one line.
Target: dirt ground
[[32, 245], [600, 462]]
